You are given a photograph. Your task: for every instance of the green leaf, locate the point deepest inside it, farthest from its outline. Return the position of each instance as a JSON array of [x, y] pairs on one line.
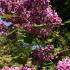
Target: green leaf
[[67, 22], [6, 16], [57, 49], [68, 35]]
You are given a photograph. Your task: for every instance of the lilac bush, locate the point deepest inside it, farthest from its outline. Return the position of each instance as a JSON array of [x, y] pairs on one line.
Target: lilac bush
[[64, 64], [36, 17]]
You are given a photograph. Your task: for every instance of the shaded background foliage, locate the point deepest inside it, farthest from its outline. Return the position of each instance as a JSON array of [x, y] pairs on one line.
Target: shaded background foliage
[[63, 8]]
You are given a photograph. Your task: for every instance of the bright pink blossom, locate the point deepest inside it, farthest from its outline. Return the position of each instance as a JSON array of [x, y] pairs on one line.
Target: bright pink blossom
[[64, 64]]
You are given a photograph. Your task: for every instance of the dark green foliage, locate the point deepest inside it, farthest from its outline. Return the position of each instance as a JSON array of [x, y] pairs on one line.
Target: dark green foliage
[[12, 50], [63, 8]]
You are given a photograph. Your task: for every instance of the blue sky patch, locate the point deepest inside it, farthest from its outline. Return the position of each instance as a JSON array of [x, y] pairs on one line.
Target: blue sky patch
[[6, 23]]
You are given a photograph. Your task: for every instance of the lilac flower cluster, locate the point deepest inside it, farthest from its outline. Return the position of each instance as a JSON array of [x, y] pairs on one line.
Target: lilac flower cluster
[[33, 13], [64, 64], [43, 54], [18, 68]]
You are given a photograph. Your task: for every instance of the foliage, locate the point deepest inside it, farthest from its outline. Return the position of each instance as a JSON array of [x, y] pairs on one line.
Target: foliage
[[13, 50], [63, 8]]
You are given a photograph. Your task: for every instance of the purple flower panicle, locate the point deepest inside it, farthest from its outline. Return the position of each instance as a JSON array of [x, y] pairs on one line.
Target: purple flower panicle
[[64, 64], [33, 12]]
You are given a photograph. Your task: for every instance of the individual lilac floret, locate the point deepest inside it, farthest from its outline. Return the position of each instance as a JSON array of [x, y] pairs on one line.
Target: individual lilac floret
[[64, 64], [50, 47]]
